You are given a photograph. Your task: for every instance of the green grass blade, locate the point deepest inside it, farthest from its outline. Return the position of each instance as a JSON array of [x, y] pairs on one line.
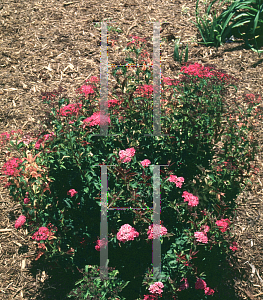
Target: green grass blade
[[176, 52]]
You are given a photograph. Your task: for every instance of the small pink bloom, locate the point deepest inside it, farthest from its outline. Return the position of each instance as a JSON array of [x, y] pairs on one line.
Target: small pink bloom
[[20, 222], [209, 291], [153, 231], [185, 285], [72, 193], [95, 119], [87, 89], [145, 162], [93, 79], [127, 154], [42, 234], [192, 200], [156, 288], [223, 224], [206, 228], [101, 244], [201, 237], [200, 284], [26, 200], [177, 180], [172, 178], [127, 233], [234, 247], [112, 102]]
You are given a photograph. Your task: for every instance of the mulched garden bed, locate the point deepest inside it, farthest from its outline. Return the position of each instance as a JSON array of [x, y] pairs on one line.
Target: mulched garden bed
[[47, 44]]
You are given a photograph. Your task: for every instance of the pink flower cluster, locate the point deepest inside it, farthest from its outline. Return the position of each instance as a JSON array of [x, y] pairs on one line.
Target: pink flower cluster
[[42, 234], [177, 180], [87, 89], [113, 102], [156, 288], [95, 120], [201, 236], [26, 200], [45, 138], [20, 222], [72, 192], [10, 167], [223, 224], [5, 136], [101, 244], [201, 285], [70, 109], [197, 69], [127, 154], [127, 233], [234, 247], [145, 91], [169, 81], [192, 200], [153, 231], [93, 79], [145, 163]]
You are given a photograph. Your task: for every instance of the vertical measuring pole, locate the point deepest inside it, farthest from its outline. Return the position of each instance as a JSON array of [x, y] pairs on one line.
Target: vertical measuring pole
[[156, 257]]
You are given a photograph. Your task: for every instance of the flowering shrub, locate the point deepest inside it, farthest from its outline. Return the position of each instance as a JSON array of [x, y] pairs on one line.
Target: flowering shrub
[[57, 180]]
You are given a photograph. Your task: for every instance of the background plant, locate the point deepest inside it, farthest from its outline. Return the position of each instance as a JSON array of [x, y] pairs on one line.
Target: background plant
[[177, 56], [239, 13]]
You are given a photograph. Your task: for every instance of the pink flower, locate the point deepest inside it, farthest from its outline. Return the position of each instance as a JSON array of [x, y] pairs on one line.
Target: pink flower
[[156, 288], [10, 167], [112, 102], [153, 231], [200, 284], [70, 109], [177, 180], [206, 229], [201, 237], [209, 291], [42, 234], [93, 79], [72, 192], [127, 233], [145, 90], [95, 119], [223, 224], [127, 154], [101, 244], [20, 222], [185, 285], [45, 138], [234, 247], [87, 89], [26, 200], [192, 200], [145, 162]]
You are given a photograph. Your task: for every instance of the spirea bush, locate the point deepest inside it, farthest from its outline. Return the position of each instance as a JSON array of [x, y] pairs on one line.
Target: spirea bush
[[57, 179]]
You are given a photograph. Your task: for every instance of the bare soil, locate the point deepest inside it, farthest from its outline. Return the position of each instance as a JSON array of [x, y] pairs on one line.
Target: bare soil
[[47, 44]]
